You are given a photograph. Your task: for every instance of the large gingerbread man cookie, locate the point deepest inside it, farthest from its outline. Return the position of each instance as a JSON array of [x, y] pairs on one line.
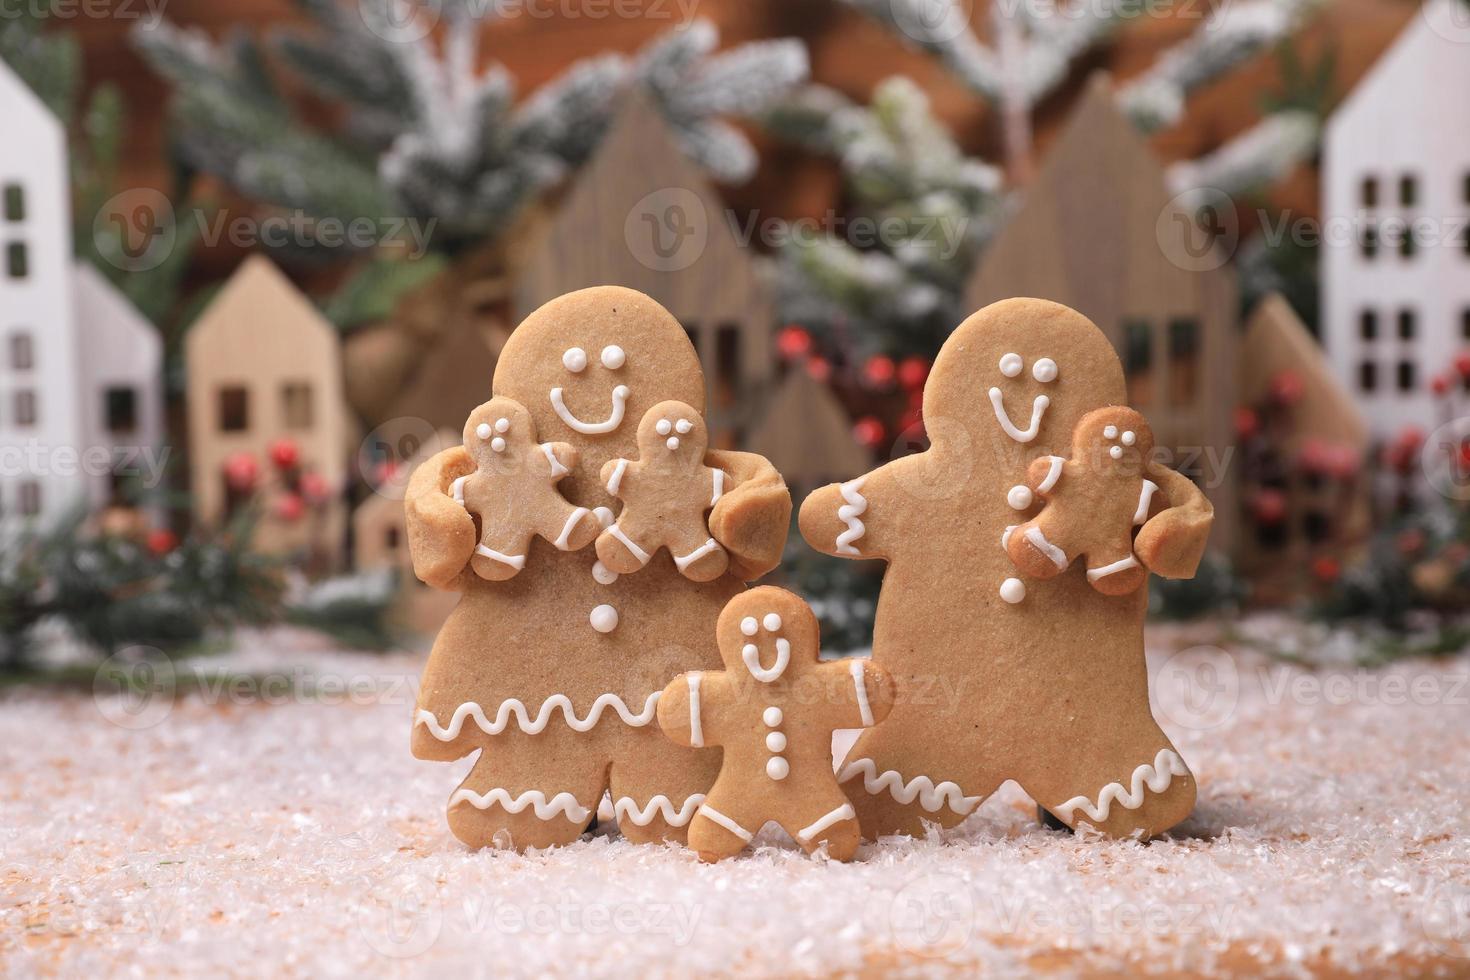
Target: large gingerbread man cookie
[[513, 490], [666, 492], [773, 709], [1039, 680], [554, 676]]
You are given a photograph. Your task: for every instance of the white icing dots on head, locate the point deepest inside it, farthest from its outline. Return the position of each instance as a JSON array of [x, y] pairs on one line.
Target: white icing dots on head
[[664, 427], [1044, 370], [483, 430], [1013, 590], [683, 426], [497, 444], [1116, 452], [1110, 432], [1129, 438], [574, 360], [1011, 364], [771, 716], [604, 618], [603, 575], [778, 768], [1019, 497], [673, 443], [502, 425], [772, 622], [776, 742], [748, 626], [613, 357]]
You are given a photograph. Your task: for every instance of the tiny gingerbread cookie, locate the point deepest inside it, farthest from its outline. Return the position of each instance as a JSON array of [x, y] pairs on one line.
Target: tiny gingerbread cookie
[[513, 490], [773, 709], [666, 493], [1093, 502]]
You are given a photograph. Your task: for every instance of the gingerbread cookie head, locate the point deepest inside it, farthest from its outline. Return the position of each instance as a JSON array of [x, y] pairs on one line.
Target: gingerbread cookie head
[[672, 434], [499, 435], [768, 634], [1114, 440]]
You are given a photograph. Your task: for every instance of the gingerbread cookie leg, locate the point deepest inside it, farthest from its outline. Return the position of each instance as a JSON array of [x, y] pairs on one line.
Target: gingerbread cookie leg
[[724, 824], [571, 529], [893, 795], [698, 557], [492, 807], [1117, 572], [620, 550], [656, 788], [1150, 790], [833, 822]]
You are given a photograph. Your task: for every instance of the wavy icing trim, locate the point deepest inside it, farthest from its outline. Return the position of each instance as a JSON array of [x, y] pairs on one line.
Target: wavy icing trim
[[855, 506], [930, 796], [514, 706], [626, 808], [1155, 778], [563, 804]]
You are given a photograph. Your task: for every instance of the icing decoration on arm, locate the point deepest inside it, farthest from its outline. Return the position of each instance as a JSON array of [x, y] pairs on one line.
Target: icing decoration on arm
[[619, 406], [456, 490], [696, 727], [1122, 564], [1155, 778], [573, 520], [556, 468], [696, 554], [1051, 551], [564, 804], [1145, 500], [514, 561], [1038, 409], [1053, 474], [855, 505], [627, 542], [864, 709], [708, 811], [922, 788], [616, 480], [719, 490], [844, 812], [515, 708], [625, 808]]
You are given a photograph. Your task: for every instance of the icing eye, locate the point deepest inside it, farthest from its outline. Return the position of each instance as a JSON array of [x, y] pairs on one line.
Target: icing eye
[[664, 427], [613, 357], [574, 360], [1110, 432], [497, 444], [1044, 370], [773, 622], [483, 430], [1011, 364], [683, 426], [748, 626], [1129, 438], [502, 425]]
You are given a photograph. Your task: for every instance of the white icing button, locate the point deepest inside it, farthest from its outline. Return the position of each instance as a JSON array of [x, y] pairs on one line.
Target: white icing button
[[683, 426], [776, 742], [673, 443], [604, 516], [483, 430], [773, 622], [574, 360], [604, 619], [1129, 438], [1010, 365], [772, 716], [603, 575], [664, 427], [1013, 590], [1116, 452], [497, 444], [502, 425], [1111, 432], [613, 357], [778, 768], [748, 626], [1019, 497], [1044, 370]]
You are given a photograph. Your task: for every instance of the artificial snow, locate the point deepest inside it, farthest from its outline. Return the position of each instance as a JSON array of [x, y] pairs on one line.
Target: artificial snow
[[278, 825]]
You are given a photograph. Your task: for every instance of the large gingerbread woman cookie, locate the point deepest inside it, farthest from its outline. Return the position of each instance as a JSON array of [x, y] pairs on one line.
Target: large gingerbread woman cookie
[[556, 673], [773, 709], [1000, 677]]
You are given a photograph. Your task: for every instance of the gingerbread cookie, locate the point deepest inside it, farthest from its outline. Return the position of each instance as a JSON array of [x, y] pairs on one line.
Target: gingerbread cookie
[[1093, 502], [666, 492], [1042, 681], [773, 710], [556, 673], [513, 490]]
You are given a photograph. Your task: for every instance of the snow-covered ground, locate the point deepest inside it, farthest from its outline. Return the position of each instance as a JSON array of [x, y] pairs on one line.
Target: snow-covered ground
[[279, 826]]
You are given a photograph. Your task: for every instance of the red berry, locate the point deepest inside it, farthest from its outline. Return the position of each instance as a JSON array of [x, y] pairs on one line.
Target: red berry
[[290, 507], [1462, 365], [1246, 422], [161, 541], [913, 372], [1326, 569], [1287, 387], [315, 487], [1440, 384], [879, 371], [793, 342], [241, 471], [1269, 506], [1411, 541], [819, 369], [868, 431], [284, 453]]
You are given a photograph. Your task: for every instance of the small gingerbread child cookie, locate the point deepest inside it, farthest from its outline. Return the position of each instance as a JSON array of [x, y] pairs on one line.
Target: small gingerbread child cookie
[[513, 491], [666, 494], [1093, 502], [773, 710]]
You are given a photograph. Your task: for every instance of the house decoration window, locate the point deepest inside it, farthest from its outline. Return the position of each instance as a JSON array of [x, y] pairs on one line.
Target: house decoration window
[[234, 409], [1368, 376], [1408, 325], [30, 498], [17, 260], [120, 408], [25, 408], [1368, 324], [1184, 379], [22, 352], [1408, 376], [1409, 191], [296, 407], [1138, 360], [1370, 192], [15, 202]]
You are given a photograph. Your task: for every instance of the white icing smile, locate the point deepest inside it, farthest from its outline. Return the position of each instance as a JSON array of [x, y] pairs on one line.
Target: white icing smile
[[619, 406], [1038, 409]]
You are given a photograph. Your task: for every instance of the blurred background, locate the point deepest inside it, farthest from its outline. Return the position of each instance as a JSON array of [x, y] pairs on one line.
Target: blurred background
[[261, 256]]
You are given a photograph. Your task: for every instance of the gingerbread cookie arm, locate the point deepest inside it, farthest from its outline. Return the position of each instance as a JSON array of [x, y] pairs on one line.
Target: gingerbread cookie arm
[[689, 708], [615, 475], [861, 692], [556, 459], [1046, 473], [1172, 542], [441, 533], [752, 514], [849, 519]]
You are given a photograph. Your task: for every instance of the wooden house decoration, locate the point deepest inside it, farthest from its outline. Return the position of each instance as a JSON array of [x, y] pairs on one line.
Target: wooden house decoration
[[265, 367], [1308, 452], [120, 359], [641, 214], [1087, 235], [39, 399], [1396, 304], [807, 435]]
